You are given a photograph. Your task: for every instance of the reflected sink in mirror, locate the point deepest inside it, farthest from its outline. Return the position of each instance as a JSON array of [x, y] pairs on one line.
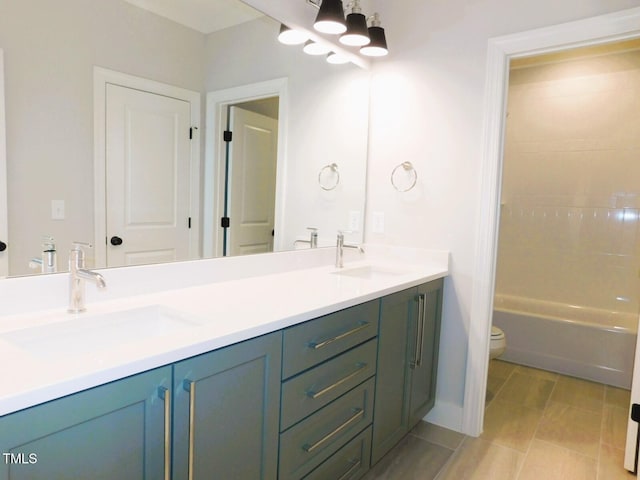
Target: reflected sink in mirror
[[370, 271], [90, 333]]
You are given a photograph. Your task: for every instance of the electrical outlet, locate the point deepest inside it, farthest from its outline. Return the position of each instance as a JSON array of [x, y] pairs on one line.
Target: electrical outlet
[[57, 209], [378, 222], [354, 221]]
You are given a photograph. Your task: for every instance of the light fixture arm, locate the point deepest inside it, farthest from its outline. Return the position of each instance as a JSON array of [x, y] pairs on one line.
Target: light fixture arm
[[375, 20]]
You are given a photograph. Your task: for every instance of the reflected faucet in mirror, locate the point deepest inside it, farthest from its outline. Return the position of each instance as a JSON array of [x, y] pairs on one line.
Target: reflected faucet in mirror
[[313, 238]]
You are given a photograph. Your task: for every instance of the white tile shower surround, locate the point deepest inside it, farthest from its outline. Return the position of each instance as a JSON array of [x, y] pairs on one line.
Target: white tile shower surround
[[570, 217], [229, 300]]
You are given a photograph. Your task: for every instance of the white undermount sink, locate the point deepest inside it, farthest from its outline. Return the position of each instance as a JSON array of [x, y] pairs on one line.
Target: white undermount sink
[[86, 333], [370, 271]]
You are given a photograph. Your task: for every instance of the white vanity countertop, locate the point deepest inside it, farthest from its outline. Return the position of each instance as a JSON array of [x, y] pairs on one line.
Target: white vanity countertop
[[209, 316]]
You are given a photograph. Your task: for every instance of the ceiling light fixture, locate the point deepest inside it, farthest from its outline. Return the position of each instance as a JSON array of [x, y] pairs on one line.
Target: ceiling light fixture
[[314, 48], [357, 34], [291, 36], [330, 18], [378, 45]]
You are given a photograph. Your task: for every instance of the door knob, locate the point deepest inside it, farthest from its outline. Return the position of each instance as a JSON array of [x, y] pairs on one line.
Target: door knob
[[115, 241], [3, 246]]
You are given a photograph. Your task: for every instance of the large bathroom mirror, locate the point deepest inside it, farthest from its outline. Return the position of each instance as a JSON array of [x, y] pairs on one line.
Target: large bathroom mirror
[[52, 51]]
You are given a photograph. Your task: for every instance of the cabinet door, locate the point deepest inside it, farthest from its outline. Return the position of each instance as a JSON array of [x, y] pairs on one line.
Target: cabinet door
[[425, 342], [390, 422], [226, 412], [118, 430]]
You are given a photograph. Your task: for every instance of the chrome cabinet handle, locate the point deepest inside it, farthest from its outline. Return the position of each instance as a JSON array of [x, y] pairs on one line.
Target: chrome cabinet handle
[[314, 395], [419, 330], [355, 465], [324, 343], [165, 394], [190, 387], [358, 415]]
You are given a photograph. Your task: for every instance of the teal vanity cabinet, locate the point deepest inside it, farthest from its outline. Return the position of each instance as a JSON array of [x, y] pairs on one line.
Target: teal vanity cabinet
[[227, 405], [117, 430], [328, 390], [407, 363]]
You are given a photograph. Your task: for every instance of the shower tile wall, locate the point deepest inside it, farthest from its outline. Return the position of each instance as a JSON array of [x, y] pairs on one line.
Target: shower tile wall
[[569, 227]]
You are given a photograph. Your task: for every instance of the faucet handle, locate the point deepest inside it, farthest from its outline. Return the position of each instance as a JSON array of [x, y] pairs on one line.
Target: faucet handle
[[78, 245]]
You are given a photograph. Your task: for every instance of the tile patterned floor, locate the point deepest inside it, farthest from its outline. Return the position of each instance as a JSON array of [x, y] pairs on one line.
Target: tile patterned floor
[[538, 425]]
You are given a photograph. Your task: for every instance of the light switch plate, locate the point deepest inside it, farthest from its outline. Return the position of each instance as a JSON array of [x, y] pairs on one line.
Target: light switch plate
[[378, 222], [57, 209]]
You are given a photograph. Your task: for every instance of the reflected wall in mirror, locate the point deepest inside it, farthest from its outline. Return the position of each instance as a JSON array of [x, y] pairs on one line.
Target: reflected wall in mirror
[[50, 52]]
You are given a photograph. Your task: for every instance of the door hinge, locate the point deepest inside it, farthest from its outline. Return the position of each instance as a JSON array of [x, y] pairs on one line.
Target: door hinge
[[225, 222], [228, 135], [189, 223], [191, 132]]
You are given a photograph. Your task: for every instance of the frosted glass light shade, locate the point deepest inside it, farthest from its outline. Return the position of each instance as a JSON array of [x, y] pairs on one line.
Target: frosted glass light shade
[[291, 36], [313, 48]]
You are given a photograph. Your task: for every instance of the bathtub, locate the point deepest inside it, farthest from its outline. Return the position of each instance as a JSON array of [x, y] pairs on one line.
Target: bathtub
[[582, 342]]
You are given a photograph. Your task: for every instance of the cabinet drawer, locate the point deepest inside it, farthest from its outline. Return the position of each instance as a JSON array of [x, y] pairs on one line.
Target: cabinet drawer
[[349, 463], [309, 443], [313, 389], [312, 342]]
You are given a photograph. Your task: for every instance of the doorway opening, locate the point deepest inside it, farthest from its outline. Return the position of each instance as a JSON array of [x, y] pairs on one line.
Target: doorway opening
[[604, 29], [250, 167], [254, 106], [143, 126]]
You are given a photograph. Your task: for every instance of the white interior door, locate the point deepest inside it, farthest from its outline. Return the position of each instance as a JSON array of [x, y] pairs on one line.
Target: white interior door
[[147, 149], [252, 182], [4, 210]]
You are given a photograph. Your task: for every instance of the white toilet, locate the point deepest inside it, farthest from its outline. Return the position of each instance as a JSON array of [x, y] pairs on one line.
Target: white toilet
[[498, 342]]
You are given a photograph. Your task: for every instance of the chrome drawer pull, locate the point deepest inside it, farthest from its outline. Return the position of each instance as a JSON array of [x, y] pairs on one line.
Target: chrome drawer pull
[[359, 414], [417, 361], [324, 343], [190, 387], [355, 465], [361, 367], [165, 394]]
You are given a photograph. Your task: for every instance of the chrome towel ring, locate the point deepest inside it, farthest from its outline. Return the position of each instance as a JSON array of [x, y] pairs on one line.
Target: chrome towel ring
[[409, 178]]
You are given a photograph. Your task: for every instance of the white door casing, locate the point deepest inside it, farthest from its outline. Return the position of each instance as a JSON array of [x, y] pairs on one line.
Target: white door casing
[[617, 26], [214, 163], [104, 79], [147, 173], [252, 182], [4, 207]]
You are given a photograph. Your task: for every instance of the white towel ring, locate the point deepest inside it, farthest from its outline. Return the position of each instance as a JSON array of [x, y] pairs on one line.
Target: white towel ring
[[324, 177], [407, 167]]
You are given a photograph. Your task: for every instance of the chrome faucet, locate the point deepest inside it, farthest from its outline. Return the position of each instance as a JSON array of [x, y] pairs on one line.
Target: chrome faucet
[[77, 276], [313, 238], [340, 246]]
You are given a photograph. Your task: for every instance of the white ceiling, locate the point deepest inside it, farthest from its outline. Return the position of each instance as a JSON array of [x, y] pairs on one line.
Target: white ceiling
[[205, 16]]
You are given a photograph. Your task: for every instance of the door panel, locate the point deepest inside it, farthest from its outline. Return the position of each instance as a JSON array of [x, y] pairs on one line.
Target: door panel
[[423, 376], [252, 182], [226, 412], [112, 431], [147, 167]]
